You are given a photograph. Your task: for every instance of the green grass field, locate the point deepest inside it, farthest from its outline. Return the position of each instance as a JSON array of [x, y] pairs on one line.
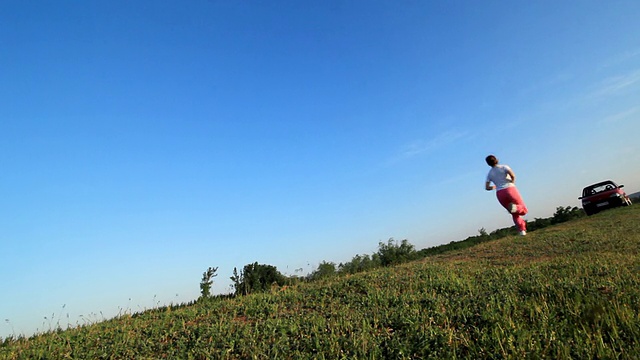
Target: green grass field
[[569, 291]]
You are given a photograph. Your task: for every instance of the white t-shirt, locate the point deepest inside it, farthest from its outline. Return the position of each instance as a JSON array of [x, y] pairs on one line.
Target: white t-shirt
[[499, 177]]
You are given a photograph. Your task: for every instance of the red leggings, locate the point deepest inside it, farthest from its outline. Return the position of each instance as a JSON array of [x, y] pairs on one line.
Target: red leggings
[[511, 195]]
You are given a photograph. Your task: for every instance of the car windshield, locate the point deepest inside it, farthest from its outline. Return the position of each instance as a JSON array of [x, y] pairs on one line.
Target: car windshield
[[598, 188]]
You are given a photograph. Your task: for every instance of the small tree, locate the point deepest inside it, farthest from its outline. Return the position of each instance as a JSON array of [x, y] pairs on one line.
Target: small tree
[[360, 263], [566, 213], [237, 279], [207, 281], [393, 253], [256, 278], [325, 269]]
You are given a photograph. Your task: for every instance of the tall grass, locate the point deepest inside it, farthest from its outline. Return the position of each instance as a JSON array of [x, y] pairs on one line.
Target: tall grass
[[570, 291]]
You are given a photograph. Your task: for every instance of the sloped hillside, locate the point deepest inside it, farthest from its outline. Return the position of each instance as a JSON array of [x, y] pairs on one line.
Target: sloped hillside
[[566, 291]]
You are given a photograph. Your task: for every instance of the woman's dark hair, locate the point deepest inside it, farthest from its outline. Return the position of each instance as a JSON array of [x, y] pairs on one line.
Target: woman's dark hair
[[491, 160]]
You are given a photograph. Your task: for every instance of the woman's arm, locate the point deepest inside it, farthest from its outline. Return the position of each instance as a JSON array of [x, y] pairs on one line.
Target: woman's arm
[[512, 175], [488, 186]]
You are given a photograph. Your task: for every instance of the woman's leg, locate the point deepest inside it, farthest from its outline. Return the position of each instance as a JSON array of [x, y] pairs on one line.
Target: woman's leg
[[509, 196], [519, 221]]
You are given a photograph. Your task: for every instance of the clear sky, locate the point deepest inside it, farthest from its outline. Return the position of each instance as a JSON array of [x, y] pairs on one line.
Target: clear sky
[[144, 141]]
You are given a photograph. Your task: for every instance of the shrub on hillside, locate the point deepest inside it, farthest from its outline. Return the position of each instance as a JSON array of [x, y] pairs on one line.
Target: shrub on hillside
[[325, 270], [393, 253], [359, 263], [256, 278]]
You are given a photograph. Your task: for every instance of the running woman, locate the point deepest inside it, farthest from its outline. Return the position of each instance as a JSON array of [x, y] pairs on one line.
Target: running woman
[[504, 182]]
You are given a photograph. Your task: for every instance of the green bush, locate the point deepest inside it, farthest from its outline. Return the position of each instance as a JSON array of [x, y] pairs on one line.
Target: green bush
[[256, 278]]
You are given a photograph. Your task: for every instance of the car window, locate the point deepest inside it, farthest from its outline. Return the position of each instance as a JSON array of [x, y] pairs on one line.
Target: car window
[[591, 190]]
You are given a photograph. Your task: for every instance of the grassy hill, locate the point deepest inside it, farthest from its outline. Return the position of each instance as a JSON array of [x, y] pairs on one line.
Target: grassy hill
[[567, 291]]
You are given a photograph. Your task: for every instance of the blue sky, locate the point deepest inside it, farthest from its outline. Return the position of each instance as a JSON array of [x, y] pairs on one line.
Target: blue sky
[[142, 142]]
